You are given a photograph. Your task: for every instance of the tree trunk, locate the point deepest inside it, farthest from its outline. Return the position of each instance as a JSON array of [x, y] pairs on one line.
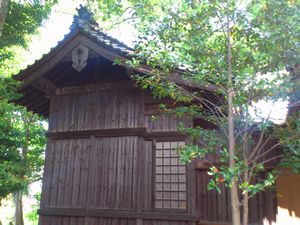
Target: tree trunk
[[0, 206], [245, 201], [3, 11], [234, 196], [18, 195], [18, 208]]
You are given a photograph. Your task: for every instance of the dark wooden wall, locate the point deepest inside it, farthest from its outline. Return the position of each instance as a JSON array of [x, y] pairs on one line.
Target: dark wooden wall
[[96, 110], [213, 206], [99, 158], [104, 221]]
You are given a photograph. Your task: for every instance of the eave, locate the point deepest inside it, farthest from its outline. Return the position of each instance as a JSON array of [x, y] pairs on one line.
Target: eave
[[37, 90]]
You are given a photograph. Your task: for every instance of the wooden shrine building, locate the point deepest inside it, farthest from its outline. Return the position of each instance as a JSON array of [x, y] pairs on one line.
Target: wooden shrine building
[[107, 162]]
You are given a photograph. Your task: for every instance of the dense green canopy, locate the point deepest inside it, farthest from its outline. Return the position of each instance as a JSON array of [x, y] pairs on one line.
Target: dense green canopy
[[21, 132], [241, 47]]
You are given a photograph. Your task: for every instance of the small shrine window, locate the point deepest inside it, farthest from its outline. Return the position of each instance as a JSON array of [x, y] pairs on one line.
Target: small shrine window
[[170, 176]]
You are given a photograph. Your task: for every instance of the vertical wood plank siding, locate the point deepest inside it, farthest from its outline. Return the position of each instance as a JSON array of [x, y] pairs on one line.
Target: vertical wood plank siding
[[108, 221], [165, 122], [148, 176], [115, 173], [101, 173], [213, 206], [166, 222], [56, 220], [96, 110], [104, 221], [94, 173]]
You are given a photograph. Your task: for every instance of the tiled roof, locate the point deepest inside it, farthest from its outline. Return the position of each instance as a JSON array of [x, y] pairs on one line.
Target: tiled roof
[[84, 23]]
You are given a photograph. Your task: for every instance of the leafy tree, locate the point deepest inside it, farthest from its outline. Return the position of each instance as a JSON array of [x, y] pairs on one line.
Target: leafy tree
[[19, 20], [21, 133], [32, 145], [289, 133], [237, 51], [22, 144], [3, 11], [33, 215], [9, 154]]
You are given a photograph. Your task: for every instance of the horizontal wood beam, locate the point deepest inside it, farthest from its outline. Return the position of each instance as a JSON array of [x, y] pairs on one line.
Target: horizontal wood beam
[[117, 132], [205, 165], [96, 87], [177, 77], [212, 223], [165, 135], [29, 100], [44, 85], [117, 214]]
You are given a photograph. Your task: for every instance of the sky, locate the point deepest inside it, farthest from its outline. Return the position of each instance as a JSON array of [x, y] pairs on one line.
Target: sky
[[275, 111], [57, 25]]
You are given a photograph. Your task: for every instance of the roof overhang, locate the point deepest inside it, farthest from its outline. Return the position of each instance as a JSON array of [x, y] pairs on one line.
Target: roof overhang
[[37, 89], [63, 50]]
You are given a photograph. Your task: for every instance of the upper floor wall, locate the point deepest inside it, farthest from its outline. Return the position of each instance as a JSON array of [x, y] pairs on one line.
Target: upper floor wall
[[96, 110]]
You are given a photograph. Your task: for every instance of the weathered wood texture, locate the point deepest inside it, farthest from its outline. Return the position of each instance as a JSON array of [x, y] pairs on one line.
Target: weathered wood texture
[[155, 118], [91, 173], [213, 206], [62, 220], [167, 222], [100, 156], [111, 221], [268, 151], [96, 71], [58, 212], [99, 160], [94, 167], [164, 122], [53, 220], [107, 109], [96, 110]]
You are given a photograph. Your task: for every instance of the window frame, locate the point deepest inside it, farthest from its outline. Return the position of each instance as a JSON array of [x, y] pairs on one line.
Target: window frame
[[154, 208]]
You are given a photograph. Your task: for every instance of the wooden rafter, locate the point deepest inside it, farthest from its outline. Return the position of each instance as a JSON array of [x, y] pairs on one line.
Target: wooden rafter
[[45, 86]]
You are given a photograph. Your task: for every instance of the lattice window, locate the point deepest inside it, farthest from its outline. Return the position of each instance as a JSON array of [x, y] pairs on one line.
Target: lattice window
[[170, 176]]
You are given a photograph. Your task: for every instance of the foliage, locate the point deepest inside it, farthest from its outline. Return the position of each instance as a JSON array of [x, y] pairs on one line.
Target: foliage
[[21, 133], [22, 20], [33, 215], [230, 55], [10, 159], [289, 137], [22, 145], [22, 138]]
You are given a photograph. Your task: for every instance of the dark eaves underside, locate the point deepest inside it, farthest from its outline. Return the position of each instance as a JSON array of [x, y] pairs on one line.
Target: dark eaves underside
[[37, 90]]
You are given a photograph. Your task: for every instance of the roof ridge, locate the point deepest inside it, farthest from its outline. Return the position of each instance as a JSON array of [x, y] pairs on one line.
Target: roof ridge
[[84, 21], [84, 18]]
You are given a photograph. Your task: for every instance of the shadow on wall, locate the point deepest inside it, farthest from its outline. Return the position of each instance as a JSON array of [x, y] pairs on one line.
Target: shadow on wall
[[214, 208], [288, 189], [288, 193], [265, 208]]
